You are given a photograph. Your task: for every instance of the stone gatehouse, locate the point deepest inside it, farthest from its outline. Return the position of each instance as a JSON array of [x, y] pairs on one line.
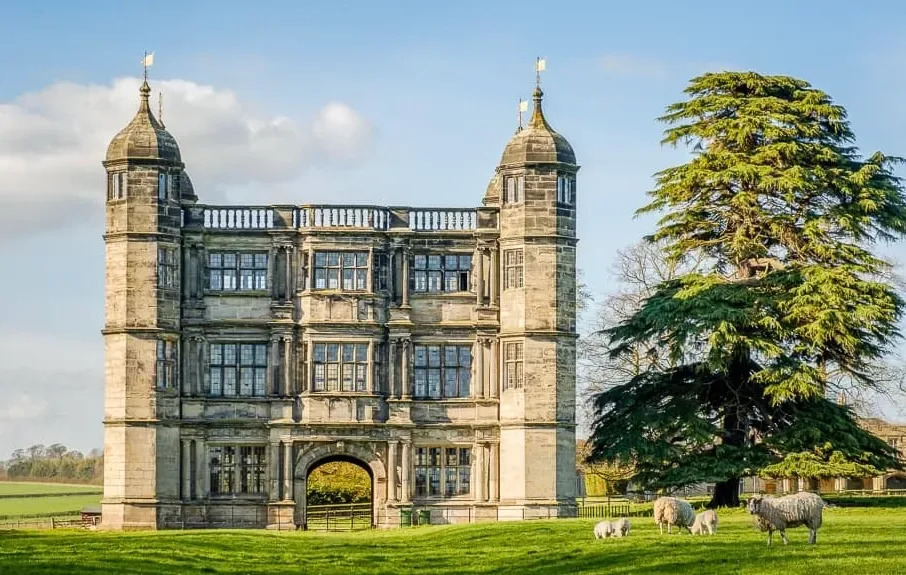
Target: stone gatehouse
[[246, 345]]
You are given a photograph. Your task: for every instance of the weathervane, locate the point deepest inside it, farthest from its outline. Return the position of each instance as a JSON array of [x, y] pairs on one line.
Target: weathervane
[[540, 66], [147, 62], [523, 107]]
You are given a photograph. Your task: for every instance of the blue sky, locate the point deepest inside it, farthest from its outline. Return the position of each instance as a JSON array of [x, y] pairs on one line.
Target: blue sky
[[390, 102]]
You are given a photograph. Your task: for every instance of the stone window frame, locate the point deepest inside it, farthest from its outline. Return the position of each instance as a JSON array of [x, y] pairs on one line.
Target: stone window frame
[[513, 190], [117, 185], [513, 268], [167, 267], [513, 364], [166, 362], [447, 272], [566, 190], [358, 367], [324, 263], [422, 390], [247, 366], [443, 471], [167, 185], [240, 469], [248, 271]]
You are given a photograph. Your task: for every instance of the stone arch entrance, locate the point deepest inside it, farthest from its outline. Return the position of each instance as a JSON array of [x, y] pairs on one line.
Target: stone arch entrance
[[365, 455], [896, 481]]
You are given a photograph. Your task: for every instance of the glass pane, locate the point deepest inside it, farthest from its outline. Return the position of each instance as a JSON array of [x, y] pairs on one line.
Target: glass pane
[[260, 381], [421, 281], [361, 352], [333, 258], [319, 352], [465, 263], [160, 350], [465, 356], [246, 377], [434, 383], [464, 480], [260, 354], [433, 262], [451, 281], [451, 262], [333, 352], [348, 259], [451, 357], [361, 259], [261, 261], [216, 387], [347, 377], [320, 279], [319, 377], [421, 383], [434, 281], [247, 354], [347, 279], [229, 382], [465, 387], [421, 355], [320, 259], [229, 279], [229, 354], [246, 280], [260, 279], [360, 279], [451, 456], [333, 279], [348, 352], [333, 376], [229, 260], [216, 280], [434, 456], [215, 260], [360, 378], [451, 385], [419, 262], [434, 355], [246, 261], [450, 481]]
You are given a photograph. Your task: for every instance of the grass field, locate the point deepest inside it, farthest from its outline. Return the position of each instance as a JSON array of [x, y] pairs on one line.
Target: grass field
[[53, 498], [29, 487], [851, 541]]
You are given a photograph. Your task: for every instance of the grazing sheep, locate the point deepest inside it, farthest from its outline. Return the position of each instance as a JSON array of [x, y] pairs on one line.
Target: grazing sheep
[[705, 522], [778, 513], [603, 530], [620, 527], [671, 511]]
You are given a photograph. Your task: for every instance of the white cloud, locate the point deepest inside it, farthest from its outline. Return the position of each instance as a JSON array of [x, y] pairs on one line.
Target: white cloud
[[53, 141]]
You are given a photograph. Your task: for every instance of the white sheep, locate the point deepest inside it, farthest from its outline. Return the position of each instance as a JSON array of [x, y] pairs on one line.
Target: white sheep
[[620, 527], [705, 522], [778, 513], [671, 511], [603, 530]]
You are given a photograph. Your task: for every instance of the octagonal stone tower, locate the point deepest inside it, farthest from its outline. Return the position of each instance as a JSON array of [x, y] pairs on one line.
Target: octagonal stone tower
[[535, 189], [141, 332]]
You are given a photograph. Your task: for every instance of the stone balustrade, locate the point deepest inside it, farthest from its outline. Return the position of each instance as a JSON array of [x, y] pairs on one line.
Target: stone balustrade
[[324, 217]]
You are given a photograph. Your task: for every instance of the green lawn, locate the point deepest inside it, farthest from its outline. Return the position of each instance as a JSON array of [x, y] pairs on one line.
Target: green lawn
[[29, 487], [852, 541], [62, 505]]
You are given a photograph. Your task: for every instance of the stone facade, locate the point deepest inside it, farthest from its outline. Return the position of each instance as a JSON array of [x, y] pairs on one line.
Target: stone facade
[[245, 346]]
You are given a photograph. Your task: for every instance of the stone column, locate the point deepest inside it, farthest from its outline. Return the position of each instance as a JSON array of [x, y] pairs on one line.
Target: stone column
[[877, 483], [272, 270], [802, 484], [199, 365], [839, 484], [369, 277], [273, 364], [201, 469], [478, 390], [495, 273], [493, 473], [391, 369], [370, 378], [288, 471], [404, 370], [287, 366], [199, 276], [273, 472], [495, 367], [391, 276], [478, 472], [392, 448], [186, 469], [311, 269], [407, 472], [288, 282], [479, 276], [405, 278]]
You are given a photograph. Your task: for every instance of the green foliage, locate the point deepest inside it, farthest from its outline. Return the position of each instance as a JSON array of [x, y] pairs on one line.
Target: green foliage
[[790, 299], [338, 482], [55, 463], [850, 541]]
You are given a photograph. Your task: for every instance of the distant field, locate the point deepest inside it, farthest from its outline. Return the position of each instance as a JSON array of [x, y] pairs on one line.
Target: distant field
[[852, 541], [29, 487]]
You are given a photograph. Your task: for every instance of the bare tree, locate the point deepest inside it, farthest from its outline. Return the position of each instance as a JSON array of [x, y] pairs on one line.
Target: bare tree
[[638, 270]]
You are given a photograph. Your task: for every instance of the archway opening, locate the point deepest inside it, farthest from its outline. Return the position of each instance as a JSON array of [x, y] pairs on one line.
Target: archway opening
[[896, 482], [339, 495]]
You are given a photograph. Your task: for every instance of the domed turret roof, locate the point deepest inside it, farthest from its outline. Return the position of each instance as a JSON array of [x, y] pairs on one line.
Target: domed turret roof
[[537, 143], [144, 137]]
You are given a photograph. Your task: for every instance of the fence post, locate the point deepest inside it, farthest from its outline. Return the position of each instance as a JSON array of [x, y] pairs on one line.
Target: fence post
[[53, 523]]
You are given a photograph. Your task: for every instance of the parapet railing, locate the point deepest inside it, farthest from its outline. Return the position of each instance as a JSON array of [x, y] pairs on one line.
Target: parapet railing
[[329, 217]]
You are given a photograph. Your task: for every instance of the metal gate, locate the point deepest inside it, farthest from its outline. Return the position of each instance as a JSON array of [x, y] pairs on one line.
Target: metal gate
[[339, 517]]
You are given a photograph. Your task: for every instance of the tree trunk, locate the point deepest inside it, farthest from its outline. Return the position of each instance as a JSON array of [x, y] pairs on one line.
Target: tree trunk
[[726, 494]]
